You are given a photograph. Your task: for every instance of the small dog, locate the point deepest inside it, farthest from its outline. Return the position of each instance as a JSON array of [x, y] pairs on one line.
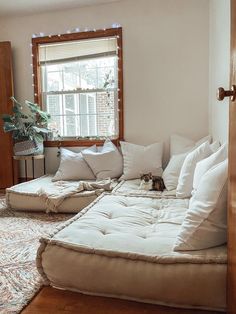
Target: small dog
[[151, 183]]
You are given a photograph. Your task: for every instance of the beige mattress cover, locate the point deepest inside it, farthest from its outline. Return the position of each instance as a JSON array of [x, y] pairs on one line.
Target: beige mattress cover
[[121, 246], [24, 196]]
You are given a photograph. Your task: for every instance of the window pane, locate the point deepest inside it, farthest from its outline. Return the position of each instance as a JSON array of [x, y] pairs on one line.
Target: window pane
[[83, 104], [52, 76], [88, 78], [53, 105], [106, 76], [106, 114], [92, 115], [70, 104], [70, 76], [71, 125], [84, 125]]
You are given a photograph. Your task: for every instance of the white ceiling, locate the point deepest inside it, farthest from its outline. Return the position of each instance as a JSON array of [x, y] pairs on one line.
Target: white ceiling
[[21, 7]]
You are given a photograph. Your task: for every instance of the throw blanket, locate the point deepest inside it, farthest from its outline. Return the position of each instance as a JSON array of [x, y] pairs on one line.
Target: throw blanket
[[62, 189]]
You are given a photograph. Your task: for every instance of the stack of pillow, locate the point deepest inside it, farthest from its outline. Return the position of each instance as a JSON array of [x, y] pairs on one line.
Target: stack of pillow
[[93, 163], [90, 163], [200, 173]]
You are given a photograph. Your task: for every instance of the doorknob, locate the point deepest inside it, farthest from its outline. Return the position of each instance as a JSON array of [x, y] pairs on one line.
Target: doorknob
[[221, 93]]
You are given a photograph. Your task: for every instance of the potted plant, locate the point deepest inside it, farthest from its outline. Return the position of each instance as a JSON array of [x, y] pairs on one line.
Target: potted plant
[[28, 125]]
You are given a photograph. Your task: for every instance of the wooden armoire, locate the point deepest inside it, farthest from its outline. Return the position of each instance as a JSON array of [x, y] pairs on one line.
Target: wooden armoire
[[6, 91]]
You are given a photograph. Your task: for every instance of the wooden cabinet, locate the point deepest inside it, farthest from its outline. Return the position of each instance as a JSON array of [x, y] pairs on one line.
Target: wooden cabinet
[[6, 91]]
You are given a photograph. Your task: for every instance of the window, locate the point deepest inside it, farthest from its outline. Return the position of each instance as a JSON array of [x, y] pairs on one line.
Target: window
[[78, 80]]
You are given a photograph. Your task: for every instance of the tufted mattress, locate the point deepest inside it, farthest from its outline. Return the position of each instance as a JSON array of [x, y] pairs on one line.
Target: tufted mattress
[[24, 196], [121, 246]]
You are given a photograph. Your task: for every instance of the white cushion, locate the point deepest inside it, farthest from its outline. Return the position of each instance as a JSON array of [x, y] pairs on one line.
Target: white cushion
[[172, 171], [205, 224], [73, 166], [206, 164], [180, 144], [141, 159], [215, 146], [185, 181], [106, 163]]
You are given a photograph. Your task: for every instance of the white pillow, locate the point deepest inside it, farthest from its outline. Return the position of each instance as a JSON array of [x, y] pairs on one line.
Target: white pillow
[[205, 224], [171, 173], [185, 181], [73, 166], [180, 144], [206, 164], [215, 146], [106, 163], [141, 159]]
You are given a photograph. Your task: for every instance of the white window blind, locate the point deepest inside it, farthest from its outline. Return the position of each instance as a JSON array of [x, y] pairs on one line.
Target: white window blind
[[77, 50], [79, 86]]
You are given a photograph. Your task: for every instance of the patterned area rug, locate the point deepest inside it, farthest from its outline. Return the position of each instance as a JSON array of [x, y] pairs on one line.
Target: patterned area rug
[[19, 239]]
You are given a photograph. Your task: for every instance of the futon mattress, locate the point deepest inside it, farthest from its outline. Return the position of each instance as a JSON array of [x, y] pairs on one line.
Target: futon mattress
[[122, 246], [25, 196]]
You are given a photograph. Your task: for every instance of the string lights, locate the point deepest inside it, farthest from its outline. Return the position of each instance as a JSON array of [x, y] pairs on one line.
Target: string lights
[[75, 30]]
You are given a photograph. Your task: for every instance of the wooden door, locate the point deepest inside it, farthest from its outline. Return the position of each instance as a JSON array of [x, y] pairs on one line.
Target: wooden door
[[231, 289], [6, 91]]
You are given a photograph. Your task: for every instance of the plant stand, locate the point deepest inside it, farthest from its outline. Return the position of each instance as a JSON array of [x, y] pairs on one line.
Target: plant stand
[[31, 158]]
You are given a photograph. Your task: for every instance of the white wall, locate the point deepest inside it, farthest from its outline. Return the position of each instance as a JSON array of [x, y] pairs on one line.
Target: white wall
[[219, 71], [166, 65]]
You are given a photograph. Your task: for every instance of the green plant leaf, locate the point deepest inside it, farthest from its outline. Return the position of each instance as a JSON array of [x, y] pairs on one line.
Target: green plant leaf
[[39, 130], [7, 118], [9, 127], [38, 138], [24, 125]]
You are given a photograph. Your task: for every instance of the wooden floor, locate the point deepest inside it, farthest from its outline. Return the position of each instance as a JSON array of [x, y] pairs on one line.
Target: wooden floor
[[53, 301]]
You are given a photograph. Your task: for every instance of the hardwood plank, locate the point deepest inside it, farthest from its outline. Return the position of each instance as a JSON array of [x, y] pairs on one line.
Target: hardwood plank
[[50, 300]]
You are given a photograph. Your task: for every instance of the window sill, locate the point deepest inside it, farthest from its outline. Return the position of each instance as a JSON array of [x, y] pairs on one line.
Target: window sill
[[78, 143]]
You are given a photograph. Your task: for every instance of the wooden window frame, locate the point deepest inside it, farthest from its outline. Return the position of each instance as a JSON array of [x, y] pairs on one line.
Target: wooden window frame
[[110, 32]]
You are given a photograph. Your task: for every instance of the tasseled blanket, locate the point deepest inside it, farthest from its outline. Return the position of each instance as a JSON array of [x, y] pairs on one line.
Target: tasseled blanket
[[64, 189]]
